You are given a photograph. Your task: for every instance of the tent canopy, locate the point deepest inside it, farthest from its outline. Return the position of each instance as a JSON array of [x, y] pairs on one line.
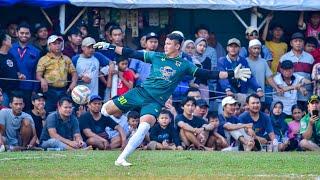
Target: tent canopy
[[37, 3]]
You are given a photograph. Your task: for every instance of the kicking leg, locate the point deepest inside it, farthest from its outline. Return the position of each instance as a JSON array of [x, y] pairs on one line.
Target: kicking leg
[[109, 108]]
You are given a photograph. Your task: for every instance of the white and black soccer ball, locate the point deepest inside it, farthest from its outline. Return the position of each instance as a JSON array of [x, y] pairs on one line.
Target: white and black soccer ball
[[80, 94]]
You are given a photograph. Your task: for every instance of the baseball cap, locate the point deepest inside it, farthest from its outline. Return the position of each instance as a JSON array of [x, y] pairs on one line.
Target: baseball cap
[[88, 41], [38, 26], [314, 98], [251, 29], [53, 38], [151, 35], [202, 102], [234, 41], [254, 42], [95, 97], [228, 100], [286, 64], [297, 35], [37, 96]]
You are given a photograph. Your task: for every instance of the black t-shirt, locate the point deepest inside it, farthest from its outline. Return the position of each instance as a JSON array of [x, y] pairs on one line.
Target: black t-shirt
[[8, 69], [86, 121], [157, 133], [37, 123], [196, 122]]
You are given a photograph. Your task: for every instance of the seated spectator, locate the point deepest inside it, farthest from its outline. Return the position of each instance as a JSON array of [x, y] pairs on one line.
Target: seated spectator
[[310, 126], [38, 112], [230, 125], [73, 45], [61, 130], [201, 110], [53, 70], [294, 127], [194, 131], [215, 141], [133, 121], [290, 83], [280, 127], [238, 109], [93, 125], [163, 136], [17, 130], [169, 106], [262, 128]]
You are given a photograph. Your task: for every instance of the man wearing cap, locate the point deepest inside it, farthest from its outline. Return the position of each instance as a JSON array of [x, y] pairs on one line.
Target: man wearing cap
[[230, 125], [93, 125], [259, 67], [302, 63], [73, 45], [87, 66], [290, 83], [253, 33], [230, 62], [38, 112], [52, 72], [201, 109], [310, 126], [41, 34]]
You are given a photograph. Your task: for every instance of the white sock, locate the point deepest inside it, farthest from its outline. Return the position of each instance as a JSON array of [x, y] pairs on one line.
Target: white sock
[[104, 110], [135, 140]]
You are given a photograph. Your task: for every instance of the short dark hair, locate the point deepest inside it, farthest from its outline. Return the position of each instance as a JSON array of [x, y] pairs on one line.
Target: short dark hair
[[74, 30], [112, 28], [110, 24], [15, 95], [3, 37], [24, 25], [175, 37], [252, 96], [165, 111], [201, 27], [121, 58], [63, 99], [311, 40], [133, 115], [187, 99], [192, 89], [296, 106], [212, 115]]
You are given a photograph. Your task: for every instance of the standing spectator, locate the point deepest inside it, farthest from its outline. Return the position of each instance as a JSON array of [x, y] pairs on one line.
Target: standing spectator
[[276, 44], [52, 72], [310, 45], [8, 69], [212, 42], [73, 45], [41, 33], [27, 57], [312, 28], [253, 33], [310, 126], [194, 92], [315, 76], [294, 127], [12, 31], [84, 30], [302, 62], [17, 129], [87, 66], [188, 47]]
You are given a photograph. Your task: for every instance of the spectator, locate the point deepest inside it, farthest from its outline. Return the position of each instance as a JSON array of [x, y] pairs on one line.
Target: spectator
[[290, 83], [169, 106], [116, 38], [26, 56], [143, 42], [17, 130], [41, 33], [194, 92], [189, 47], [12, 31], [201, 109], [280, 127], [8, 69], [229, 125], [1, 100], [259, 67], [262, 128], [310, 45], [38, 112], [312, 28], [194, 131], [52, 72], [276, 44], [84, 31], [163, 135], [61, 129], [302, 62], [231, 61], [215, 141], [73, 45], [93, 125], [87, 66], [238, 109], [253, 33], [107, 29], [310, 126], [315, 76], [212, 42], [294, 127], [133, 121]]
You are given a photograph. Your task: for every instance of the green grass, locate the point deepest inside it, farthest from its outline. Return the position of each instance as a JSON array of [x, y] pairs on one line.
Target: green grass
[[160, 164]]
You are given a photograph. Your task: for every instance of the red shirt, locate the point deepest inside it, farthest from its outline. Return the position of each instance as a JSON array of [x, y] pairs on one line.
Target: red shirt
[[316, 55], [128, 75]]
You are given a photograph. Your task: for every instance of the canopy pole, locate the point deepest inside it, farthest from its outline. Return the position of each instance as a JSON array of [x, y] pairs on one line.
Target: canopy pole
[[240, 19], [46, 16], [75, 20], [62, 17]]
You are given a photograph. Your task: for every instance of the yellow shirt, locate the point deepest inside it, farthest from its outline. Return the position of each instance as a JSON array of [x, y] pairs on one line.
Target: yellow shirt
[[55, 69], [277, 50]]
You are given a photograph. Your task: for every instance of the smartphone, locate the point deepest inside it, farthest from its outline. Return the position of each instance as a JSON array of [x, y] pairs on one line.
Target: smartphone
[[315, 113]]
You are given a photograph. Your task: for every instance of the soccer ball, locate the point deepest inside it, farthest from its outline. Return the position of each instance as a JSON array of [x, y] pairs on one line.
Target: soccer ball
[[80, 94]]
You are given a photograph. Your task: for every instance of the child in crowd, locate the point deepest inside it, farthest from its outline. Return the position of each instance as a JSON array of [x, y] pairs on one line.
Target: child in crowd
[[294, 127], [163, 135], [133, 121], [280, 127], [312, 27], [215, 141], [315, 75]]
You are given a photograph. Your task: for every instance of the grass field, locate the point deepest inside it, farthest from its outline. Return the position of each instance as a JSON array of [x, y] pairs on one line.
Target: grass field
[[161, 164]]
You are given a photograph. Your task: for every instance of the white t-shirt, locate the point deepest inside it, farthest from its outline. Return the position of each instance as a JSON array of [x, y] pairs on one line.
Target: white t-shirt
[[123, 122]]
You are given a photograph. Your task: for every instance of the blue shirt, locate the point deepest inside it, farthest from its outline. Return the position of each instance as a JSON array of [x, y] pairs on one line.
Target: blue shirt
[[223, 120], [27, 59], [103, 60], [265, 53], [261, 127]]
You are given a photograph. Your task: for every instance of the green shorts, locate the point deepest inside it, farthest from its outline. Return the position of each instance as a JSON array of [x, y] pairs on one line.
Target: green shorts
[[138, 98]]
